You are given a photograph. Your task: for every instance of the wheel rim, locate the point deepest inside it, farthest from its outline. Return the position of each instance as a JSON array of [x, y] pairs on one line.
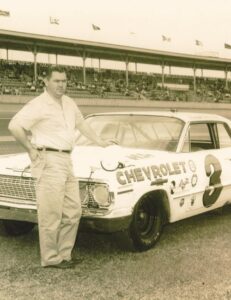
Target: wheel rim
[[145, 221]]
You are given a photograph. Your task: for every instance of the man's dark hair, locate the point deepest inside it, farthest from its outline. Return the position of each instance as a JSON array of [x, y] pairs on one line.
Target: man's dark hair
[[55, 68]]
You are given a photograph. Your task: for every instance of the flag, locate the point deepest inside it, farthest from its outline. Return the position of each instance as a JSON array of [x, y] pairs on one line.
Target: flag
[[198, 43], [95, 27], [4, 13], [54, 21], [166, 39], [227, 46]]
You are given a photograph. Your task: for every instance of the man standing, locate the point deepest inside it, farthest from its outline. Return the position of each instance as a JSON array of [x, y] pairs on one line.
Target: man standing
[[52, 118]]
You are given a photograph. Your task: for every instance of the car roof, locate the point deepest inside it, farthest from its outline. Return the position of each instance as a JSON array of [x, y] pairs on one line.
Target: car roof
[[184, 116]]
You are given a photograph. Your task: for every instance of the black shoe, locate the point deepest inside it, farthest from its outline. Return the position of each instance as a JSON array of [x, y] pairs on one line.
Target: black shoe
[[75, 261], [63, 265]]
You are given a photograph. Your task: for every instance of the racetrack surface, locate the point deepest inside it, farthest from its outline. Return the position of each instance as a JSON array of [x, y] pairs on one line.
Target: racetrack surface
[[191, 261], [88, 106]]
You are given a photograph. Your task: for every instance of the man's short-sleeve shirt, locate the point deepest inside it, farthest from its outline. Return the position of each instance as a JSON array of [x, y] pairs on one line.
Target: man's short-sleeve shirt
[[52, 125]]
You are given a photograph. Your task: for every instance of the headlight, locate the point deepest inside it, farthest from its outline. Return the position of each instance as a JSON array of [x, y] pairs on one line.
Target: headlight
[[95, 194], [101, 194]]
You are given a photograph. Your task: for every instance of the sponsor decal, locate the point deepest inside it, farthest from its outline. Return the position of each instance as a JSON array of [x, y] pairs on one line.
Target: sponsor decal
[[138, 156], [194, 180], [181, 202], [192, 166], [150, 173], [173, 187], [183, 183], [193, 199]]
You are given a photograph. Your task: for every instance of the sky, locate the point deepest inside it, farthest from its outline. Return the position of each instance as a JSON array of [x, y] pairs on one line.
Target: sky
[[138, 23]]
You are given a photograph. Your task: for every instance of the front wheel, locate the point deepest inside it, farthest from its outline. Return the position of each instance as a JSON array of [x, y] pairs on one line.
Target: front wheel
[[16, 228], [147, 223]]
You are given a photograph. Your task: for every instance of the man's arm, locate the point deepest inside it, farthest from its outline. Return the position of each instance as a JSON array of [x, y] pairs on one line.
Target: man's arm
[[87, 131], [20, 135]]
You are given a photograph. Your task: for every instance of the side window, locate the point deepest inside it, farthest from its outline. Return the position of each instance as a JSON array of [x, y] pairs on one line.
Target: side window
[[223, 135], [198, 138]]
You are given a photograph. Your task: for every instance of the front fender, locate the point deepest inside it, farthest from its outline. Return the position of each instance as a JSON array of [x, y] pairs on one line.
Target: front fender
[[160, 193]]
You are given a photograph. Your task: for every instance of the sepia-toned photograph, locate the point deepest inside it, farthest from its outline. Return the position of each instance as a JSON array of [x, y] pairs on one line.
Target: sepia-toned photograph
[[115, 150]]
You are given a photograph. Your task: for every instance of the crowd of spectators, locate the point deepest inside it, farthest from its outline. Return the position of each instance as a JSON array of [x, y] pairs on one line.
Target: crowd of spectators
[[17, 78]]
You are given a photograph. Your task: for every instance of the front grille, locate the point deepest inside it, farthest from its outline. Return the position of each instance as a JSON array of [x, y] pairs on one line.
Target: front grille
[[21, 188]]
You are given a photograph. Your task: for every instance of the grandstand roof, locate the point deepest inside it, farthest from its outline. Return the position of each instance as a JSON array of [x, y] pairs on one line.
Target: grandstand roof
[[74, 47]]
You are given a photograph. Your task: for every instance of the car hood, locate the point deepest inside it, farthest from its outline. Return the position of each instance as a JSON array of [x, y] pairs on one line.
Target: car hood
[[15, 164], [87, 160]]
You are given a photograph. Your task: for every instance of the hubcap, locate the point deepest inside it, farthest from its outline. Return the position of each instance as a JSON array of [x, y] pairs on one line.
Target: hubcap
[[145, 222]]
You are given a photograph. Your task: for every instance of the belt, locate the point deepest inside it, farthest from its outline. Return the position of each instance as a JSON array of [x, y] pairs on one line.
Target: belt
[[52, 149]]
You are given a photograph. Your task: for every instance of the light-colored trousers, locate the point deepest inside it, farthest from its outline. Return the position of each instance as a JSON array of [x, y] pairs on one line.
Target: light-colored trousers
[[58, 205]]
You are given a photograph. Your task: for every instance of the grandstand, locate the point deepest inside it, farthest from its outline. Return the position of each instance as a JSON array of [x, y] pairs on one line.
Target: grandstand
[[17, 79], [26, 78]]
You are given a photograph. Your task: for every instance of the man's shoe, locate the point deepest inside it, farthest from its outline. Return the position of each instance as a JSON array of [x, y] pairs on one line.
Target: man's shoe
[[75, 261], [63, 265]]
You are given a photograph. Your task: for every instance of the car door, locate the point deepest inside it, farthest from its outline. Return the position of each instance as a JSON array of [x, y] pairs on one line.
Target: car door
[[222, 133], [207, 149]]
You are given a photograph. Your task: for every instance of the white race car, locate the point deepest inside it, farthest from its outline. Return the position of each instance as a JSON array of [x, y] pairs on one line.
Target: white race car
[[167, 166]]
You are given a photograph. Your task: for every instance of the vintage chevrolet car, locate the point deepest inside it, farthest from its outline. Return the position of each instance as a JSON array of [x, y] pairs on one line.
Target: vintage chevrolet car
[[167, 166]]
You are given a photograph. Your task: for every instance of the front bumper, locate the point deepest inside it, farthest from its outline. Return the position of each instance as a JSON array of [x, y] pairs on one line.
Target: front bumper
[[87, 223], [107, 225], [18, 214]]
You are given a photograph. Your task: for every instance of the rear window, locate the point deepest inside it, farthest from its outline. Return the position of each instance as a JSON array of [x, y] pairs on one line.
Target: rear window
[[223, 136]]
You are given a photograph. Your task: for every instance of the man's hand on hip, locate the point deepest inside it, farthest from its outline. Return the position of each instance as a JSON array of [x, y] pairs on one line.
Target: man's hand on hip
[[34, 154]]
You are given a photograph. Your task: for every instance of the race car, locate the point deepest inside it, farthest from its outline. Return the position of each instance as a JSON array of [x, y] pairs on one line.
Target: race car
[[166, 166]]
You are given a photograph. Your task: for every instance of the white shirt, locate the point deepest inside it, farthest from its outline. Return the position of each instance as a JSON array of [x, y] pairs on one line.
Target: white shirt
[[52, 125]]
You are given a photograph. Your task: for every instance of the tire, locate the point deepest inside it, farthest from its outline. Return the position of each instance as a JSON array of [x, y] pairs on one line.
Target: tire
[[16, 228], [147, 223]]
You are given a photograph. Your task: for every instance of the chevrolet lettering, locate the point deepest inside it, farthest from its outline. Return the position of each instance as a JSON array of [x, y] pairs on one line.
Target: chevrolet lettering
[[150, 172]]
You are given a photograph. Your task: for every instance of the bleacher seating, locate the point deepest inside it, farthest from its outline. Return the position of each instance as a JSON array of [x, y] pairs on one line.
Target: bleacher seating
[[17, 78]]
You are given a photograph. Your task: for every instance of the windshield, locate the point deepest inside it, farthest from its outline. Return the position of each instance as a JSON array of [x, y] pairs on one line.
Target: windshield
[[136, 131]]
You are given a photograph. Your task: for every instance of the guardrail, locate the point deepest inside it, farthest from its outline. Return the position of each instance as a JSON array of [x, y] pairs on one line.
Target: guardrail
[[128, 104]]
